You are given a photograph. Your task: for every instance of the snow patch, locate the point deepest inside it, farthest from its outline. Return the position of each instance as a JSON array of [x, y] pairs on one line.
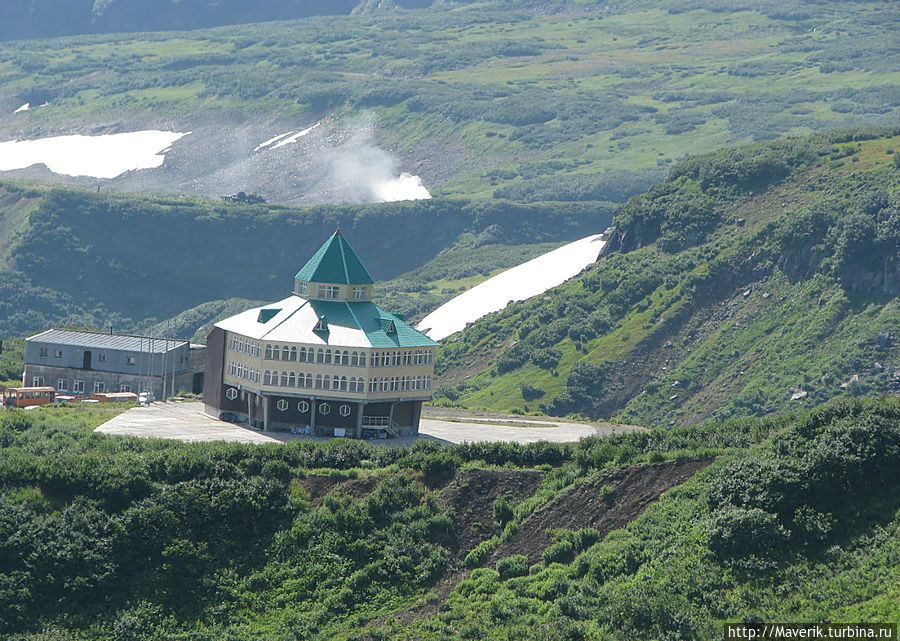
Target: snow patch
[[105, 156], [295, 137], [24, 107], [519, 283], [270, 141]]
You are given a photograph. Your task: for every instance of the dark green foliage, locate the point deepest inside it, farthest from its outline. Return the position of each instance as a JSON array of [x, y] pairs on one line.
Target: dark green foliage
[[560, 552], [503, 511], [438, 468], [510, 566], [814, 475]]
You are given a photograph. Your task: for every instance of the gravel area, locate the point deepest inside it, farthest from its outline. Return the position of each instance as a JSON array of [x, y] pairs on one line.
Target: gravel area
[[186, 421]]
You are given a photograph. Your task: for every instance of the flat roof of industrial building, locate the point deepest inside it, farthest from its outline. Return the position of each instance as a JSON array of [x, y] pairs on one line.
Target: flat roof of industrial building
[[102, 340]]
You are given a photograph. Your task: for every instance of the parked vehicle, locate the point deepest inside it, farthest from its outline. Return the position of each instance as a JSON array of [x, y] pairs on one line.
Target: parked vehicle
[[28, 396]]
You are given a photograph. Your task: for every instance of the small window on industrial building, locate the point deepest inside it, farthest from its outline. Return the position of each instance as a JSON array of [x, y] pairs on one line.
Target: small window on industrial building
[[282, 405], [99, 387], [344, 410], [43, 352], [57, 353], [231, 393], [37, 381], [78, 387], [131, 360], [101, 358], [124, 388], [303, 406], [324, 408], [62, 385]]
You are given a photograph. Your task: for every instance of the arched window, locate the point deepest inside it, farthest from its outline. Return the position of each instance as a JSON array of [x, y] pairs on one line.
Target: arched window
[[292, 380], [354, 359], [267, 378], [284, 379], [385, 384], [293, 353], [336, 383], [318, 381], [427, 382], [327, 355], [343, 383], [320, 356], [416, 382], [326, 382], [268, 352], [309, 380], [404, 384], [302, 354], [362, 359], [285, 353], [373, 384]]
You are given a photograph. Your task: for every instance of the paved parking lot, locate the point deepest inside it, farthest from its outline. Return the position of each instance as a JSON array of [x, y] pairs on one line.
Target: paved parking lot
[[185, 421]]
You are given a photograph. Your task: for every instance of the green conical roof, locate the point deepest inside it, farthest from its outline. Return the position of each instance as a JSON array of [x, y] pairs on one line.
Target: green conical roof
[[335, 262]]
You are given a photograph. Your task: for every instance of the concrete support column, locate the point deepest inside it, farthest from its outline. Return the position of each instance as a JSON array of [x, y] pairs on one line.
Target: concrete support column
[[359, 417], [265, 404], [312, 415]]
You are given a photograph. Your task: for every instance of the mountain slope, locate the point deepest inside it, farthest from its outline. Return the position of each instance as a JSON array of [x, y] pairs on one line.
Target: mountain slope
[[78, 257], [526, 100], [751, 280]]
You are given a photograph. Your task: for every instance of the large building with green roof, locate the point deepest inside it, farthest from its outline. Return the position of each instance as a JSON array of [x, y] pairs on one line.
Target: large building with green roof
[[325, 361]]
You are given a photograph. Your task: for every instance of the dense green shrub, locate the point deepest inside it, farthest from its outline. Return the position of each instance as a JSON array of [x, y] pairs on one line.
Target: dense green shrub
[[511, 566]]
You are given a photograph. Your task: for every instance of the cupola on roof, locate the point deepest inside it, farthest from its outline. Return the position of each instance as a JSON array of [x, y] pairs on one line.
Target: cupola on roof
[[337, 263]]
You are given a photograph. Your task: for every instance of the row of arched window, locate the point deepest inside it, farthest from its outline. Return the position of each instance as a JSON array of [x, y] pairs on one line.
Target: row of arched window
[[399, 358], [399, 383], [239, 370], [243, 346], [317, 381], [315, 355]]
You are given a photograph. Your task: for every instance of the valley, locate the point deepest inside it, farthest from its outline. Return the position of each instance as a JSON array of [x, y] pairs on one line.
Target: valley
[[658, 241]]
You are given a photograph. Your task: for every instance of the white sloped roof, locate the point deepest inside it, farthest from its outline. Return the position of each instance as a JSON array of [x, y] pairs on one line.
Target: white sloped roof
[[293, 323]]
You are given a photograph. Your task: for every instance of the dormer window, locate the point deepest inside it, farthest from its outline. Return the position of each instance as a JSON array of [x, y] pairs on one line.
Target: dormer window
[[329, 291], [359, 293], [322, 325], [301, 289]]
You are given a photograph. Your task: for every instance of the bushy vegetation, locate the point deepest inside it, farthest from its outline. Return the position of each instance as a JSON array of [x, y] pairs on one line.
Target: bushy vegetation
[[750, 281], [105, 537], [763, 535]]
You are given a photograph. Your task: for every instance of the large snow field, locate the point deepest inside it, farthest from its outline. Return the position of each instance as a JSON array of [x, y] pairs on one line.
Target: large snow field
[[104, 156], [518, 283]]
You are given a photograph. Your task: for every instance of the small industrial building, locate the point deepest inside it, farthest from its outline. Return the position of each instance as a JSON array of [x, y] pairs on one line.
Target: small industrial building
[[83, 363], [325, 360]]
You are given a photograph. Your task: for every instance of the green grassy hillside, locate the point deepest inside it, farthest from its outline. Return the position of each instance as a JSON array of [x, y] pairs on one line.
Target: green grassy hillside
[[751, 280], [117, 538], [81, 258], [527, 100]]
